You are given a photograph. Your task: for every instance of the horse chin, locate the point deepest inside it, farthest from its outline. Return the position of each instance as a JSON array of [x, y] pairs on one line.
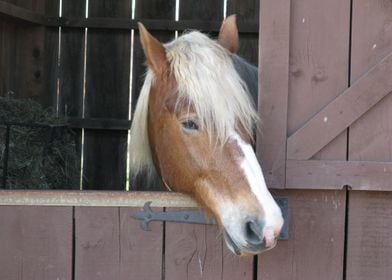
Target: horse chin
[[246, 249], [233, 247]]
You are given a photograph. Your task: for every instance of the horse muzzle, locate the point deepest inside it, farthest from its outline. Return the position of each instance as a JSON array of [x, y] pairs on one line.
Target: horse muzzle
[[255, 238]]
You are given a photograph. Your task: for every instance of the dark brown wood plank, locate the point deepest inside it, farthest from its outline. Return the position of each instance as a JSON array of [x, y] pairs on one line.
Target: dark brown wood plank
[[146, 10], [7, 58], [369, 243], [36, 243], [51, 55], [29, 63], [30, 55], [71, 74], [246, 12], [37, 6], [273, 89], [141, 251], [315, 247], [15, 12], [107, 96], [198, 252], [325, 174], [26, 53], [100, 123], [104, 160], [97, 243], [371, 135], [341, 112], [152, 24], [318, 68], [71, 70], [11, 11], [202, 10]]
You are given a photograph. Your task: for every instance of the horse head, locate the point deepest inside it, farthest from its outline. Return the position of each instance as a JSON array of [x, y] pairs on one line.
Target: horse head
[[194, 124]]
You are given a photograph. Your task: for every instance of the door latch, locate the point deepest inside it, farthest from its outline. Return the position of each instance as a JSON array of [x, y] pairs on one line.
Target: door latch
[[147, 215]]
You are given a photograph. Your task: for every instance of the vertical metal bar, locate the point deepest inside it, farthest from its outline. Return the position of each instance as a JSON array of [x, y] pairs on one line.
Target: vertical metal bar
[[6, 153]]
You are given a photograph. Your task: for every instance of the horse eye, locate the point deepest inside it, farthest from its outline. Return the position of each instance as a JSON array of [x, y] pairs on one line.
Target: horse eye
[[190, 125]]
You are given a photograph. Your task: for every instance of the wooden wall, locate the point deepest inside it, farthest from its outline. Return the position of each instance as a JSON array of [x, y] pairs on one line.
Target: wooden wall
[[311, 52], [326, 64]]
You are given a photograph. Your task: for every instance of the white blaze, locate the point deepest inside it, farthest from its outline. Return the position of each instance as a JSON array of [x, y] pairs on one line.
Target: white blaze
[[252, 170]]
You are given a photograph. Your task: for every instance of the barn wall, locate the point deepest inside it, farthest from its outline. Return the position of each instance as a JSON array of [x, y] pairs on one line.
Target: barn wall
[[336, 58], [311, 52]]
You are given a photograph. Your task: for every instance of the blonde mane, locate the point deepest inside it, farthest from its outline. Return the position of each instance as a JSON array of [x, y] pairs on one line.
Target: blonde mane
[[207, 79]]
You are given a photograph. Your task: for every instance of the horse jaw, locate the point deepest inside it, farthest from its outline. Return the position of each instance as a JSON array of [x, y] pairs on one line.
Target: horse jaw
[[239, 200]]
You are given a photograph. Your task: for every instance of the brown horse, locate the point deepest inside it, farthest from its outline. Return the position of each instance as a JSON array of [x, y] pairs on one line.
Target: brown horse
[[193, 125]]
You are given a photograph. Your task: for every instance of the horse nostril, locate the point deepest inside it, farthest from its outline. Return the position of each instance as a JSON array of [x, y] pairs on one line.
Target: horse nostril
[[254, 233]]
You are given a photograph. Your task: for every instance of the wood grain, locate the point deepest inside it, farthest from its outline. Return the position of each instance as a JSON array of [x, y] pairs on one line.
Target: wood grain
[[371, 135], [246, 11], [341, 112], [152, 24], [318, 67], [273, 89], [12, 11], [94, 198], [141, 252], [72, 63], [198, 252], [111, 245], [315, 247], [369, 242], [51, 39], [329, 174], [107, 95], [199, 9], [7, 58], [97, 250], [369, 246], [36, 243]]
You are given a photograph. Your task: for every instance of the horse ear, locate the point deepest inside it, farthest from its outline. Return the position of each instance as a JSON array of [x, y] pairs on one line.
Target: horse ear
[[228, 34], [153, 50]]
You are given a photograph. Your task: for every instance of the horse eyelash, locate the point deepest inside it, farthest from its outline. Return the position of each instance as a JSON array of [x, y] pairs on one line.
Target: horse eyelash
[[190, 125]]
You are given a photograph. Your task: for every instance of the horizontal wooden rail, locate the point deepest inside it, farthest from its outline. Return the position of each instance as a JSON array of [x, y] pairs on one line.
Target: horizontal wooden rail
[[94, 198], [17, 13], [334, 175], [88, 123], [164, 25], [99, 123]]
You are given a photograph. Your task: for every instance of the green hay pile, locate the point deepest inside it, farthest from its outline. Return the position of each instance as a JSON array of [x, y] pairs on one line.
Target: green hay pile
[[36, 160]]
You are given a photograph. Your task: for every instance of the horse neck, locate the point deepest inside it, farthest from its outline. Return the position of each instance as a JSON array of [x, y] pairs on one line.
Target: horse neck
[[249, 74]]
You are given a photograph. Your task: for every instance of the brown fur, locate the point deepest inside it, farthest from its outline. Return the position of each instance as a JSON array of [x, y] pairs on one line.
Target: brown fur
[[188, 161]]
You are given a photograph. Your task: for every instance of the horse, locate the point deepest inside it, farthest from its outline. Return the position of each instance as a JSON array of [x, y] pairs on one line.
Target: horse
[[193, 126]]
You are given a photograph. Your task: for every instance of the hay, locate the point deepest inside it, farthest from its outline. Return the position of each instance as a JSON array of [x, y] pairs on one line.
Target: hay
[[40, 157]]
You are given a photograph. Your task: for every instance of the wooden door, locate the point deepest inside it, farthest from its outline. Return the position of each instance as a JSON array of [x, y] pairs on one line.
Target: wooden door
[[326, 142], [325, 82]]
